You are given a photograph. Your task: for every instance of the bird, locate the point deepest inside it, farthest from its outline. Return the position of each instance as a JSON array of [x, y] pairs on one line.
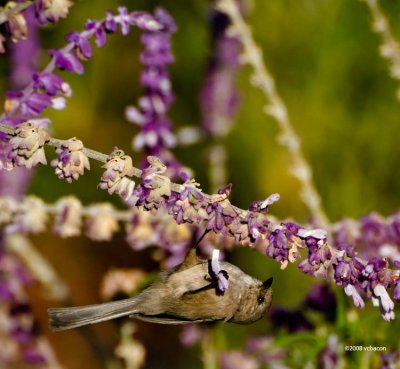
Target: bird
[[188, 293]]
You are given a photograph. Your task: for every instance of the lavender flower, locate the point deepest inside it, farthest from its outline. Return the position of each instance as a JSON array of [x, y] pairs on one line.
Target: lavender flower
[[100, 223], [396, 290], [221, 213], [328, 358], [188, 206], [51, 84], [319, 254], [322, 299], [50, 11], [373, 234], [393, 228], [116, 177], [48, 90], [293, 320], [17, 26], [283, 244], [28, 145], [155, 136], [71, 162], [382, 299], [110, 25], [237, 360], [219, 98], [31, 217], [20, 342], [130, 350], [146, 229], [67, 61], [374, 278], [32, 355], [139, 231], [68, 220], [348, 267], [81, 44], [390, 360], [156, 56], [31, 103], [191, 334], [99, 31], [8, 208], [156, 185], [351, 291], [117, 281], [221, 275]]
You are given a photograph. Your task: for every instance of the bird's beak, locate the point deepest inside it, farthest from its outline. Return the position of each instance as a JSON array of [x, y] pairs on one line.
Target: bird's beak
[[267, 284]]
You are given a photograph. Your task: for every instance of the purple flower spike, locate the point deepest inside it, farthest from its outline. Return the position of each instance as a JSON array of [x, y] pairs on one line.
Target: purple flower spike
[[319, 234], [373, 231], [329, 358], [67, 61], [51, 84], [32, 355], [351, 291], [145, 22], [50, 11], [82, 45], [393, 228], [166, 20], [278, 246], [124, 20], [191, 334], [35, 104], [100, 29], [110, 25], [396, 291], [6, 293], [383, 300], [390, 360], [270, 200], [221, 275]]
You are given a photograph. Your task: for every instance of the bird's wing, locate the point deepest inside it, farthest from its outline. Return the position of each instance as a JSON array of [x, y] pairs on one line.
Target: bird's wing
[[189, 281], [165, 319]]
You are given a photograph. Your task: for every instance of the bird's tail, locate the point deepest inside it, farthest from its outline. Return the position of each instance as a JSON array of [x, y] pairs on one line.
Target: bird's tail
[[73, 317]]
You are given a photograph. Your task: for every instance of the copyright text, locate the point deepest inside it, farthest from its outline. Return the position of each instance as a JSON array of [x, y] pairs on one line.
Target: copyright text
[[365, 348]]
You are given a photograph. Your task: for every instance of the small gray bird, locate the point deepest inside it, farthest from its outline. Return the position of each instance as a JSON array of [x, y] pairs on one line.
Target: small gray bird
[[188, 293]]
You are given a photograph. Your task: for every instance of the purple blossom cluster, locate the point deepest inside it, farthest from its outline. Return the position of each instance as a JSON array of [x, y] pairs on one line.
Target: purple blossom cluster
[[186, 203], [14, 14], [155, 136], [216, 213], [390, 360], [219, 98], [370, 234], [258, 352], [150, 114], [351, 259], [320, 299], [19, 336], [48, 89]]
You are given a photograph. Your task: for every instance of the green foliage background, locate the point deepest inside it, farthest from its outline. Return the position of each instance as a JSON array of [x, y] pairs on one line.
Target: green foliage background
[[342, 103]]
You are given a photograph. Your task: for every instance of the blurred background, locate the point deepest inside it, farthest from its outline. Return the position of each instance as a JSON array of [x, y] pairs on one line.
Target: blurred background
[[342, 103]]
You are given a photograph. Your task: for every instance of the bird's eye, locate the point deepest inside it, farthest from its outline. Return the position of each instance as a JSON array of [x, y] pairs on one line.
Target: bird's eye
[[260, 299]]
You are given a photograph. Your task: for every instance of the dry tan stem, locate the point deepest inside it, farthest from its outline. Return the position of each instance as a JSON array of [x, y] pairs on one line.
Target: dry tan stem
[[275, 107], [36, 264], [390, 47]]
